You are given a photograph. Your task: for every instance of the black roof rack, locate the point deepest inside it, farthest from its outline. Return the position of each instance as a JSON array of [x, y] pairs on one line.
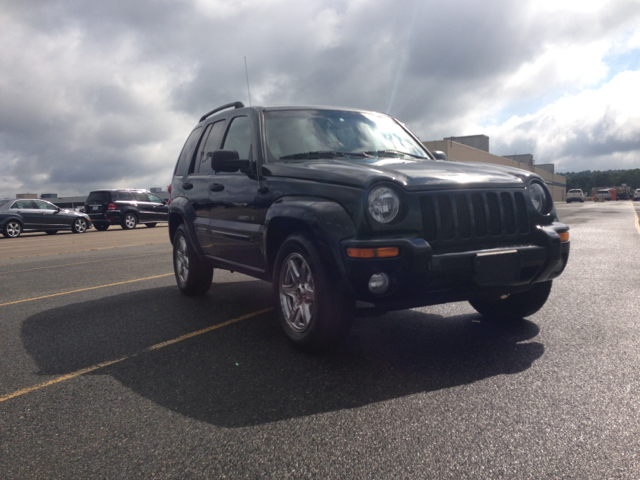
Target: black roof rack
[[228, 105]]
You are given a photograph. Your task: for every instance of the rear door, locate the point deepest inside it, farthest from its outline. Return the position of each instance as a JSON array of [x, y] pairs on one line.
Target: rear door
[[198, 182], [31, 216]]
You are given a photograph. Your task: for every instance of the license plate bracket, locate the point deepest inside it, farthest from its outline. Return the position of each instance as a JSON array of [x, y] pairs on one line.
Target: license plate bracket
[[497, 268]]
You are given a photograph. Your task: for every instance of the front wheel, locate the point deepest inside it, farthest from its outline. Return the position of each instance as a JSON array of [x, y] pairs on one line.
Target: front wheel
[[313, 312], [193, 275], [12, 229], [516, 305], [129, 221], [79, 225], [101, 226]]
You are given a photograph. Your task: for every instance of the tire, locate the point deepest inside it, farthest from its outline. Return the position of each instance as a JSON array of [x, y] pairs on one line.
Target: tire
[[129, 221], [150, 225], [193, 275], [80, 225], [12, 229], [101, 226], [515, 306], [313, 313], [51, 232]]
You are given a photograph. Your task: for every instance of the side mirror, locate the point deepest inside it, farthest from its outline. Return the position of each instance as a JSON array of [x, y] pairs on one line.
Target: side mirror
[[227, 161], [440, 155]]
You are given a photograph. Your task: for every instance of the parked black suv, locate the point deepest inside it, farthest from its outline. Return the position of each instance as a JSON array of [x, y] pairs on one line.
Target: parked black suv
[[126, 207], [337, 205]]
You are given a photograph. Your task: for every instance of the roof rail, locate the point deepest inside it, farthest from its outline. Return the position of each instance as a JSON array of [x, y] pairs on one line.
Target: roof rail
[[223, 107]]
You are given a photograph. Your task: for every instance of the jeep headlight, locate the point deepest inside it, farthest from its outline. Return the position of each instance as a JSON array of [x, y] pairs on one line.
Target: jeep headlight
[[539, 197], [383, 204]]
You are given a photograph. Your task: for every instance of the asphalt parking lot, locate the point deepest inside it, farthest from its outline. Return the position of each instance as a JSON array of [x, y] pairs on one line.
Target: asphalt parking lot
[[108, 371]]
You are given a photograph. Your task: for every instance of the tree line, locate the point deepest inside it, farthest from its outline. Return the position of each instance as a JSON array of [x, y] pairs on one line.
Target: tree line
[[587, 180]]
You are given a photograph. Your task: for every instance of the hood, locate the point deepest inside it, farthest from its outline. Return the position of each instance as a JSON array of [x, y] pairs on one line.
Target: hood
[[412, 175]]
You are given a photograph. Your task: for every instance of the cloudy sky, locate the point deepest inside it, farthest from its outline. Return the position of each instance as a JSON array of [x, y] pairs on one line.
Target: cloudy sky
[[102, 94]]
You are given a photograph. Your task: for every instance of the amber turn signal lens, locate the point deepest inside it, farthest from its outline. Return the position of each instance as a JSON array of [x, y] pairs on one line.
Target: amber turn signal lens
[[564, 236], [373, 252]]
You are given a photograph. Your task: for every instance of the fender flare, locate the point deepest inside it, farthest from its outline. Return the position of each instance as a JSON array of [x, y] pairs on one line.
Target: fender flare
[[326, 220], [181, 213]]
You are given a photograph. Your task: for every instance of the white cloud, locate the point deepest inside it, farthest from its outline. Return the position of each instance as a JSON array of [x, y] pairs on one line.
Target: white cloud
[[595, 129], [100, 94]]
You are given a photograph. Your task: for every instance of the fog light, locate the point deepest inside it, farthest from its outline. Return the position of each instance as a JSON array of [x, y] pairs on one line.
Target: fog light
[[379, 283]]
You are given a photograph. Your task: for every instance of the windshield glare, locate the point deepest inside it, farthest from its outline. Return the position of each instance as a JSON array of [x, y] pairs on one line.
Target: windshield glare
[[294, 132]]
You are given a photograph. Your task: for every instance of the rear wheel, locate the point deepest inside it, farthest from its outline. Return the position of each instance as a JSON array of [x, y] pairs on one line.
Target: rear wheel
[[150, 225], [313, 312], [79, 225], [12, 229], [514, 306], [51, 232], [193, 275], [101, 226], [129, 221]]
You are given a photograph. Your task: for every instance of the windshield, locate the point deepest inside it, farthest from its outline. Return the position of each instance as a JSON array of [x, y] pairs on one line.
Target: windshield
[[304, 134]]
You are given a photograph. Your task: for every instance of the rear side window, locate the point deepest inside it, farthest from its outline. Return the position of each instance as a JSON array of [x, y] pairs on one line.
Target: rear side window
[[187, 152], [98, 197], [209, 143], [126, 196], [239, 137], [23, 204]]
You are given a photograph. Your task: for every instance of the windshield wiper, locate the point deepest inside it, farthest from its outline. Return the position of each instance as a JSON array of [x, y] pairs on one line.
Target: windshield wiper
[[389, 153], [322, 154]]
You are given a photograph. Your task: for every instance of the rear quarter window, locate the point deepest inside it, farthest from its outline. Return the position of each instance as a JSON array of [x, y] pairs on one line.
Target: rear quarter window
[[187, 153]]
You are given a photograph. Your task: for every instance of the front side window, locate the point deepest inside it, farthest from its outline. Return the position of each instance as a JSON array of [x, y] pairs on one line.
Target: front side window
[[44, 205], [239, 137], [208, 145], [154, 199], [141, 197], [299, 134]]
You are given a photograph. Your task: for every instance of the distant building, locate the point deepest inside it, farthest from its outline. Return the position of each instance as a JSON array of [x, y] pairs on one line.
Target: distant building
[[549, 167], [481, 142], [525, 158], [49, 195], [27, 195], [465, 152], [155, 189]]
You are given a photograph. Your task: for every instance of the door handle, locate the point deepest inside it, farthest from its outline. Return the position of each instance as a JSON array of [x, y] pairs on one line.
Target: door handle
[[216, 187], [187, 186]]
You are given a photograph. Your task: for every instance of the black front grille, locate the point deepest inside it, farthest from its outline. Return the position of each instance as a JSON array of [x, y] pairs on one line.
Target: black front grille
[[460, 218]]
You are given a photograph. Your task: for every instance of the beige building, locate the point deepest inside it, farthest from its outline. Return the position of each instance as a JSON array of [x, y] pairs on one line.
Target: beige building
[[458, 152]]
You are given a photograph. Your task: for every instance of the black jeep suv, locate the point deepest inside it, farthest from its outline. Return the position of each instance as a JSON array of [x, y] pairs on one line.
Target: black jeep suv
[[336, 206], [126, 207]]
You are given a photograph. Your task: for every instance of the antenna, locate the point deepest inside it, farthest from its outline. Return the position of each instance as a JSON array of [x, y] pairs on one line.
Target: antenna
[[247, 74]]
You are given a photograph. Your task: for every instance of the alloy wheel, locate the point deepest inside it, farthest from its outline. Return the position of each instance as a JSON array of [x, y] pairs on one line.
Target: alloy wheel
[[182, 260], [297, 292]]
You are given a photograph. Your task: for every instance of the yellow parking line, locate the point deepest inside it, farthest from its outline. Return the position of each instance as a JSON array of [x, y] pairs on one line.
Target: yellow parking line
[[83, 263], [88, 250], [148, 349], [84, 289]]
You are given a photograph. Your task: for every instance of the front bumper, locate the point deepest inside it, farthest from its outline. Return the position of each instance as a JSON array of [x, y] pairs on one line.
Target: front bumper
[[420, 277]]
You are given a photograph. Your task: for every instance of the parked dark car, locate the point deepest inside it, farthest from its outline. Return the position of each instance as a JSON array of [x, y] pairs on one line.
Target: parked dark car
[[125, 207], [25, 215], [335, 206]]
